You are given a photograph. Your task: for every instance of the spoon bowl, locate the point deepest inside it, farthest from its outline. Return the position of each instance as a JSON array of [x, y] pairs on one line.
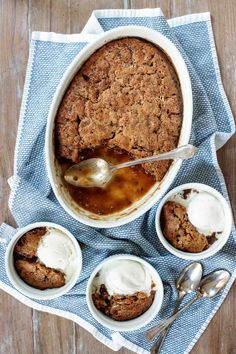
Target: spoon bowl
[[189, 279], [213, 283], [94, 172]]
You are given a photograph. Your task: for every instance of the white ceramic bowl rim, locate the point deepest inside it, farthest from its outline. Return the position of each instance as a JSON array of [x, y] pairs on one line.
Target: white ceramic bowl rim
[[26, 289], [158, 190], [136, 323], [217, 245]]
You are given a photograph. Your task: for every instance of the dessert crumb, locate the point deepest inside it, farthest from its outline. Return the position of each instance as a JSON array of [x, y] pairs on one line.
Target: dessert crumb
[[179, 231], [122, 307], [212, 238], [186, 193]]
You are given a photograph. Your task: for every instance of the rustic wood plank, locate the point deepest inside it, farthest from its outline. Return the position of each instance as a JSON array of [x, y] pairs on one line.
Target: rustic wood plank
[[53, 334], [15, 326], [165, 5], [13, 59], [51, 16], [86, 343], [80, 11], [39, 15], [60, 16]]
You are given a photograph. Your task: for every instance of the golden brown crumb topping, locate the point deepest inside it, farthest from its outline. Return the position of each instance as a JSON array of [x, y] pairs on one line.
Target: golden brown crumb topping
[[125, 96], [122, 307], [179, 231], [38, 275]]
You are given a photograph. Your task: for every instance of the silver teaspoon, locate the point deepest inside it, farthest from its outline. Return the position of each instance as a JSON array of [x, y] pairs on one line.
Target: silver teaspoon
[[209, 287], [97, 172], [187, 282]]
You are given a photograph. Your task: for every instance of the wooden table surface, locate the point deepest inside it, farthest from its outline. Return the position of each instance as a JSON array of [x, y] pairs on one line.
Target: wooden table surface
[[26, 331]]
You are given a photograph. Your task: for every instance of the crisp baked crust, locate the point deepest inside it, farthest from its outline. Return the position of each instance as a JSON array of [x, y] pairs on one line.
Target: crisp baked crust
[[38, 275], [122, 307], [179, 231], [126, 96], [28, 244]]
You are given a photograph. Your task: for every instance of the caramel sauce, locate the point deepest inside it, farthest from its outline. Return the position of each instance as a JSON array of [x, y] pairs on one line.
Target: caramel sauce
[[126, 187]]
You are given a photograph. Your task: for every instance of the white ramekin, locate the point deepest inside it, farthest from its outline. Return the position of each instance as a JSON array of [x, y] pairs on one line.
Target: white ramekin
[[28, 290], [158, 190], [136, 323], [218, 244]]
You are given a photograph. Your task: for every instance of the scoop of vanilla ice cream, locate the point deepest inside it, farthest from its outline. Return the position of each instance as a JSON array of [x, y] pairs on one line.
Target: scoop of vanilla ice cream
[[206, 213], [57, 251], [124, 277]]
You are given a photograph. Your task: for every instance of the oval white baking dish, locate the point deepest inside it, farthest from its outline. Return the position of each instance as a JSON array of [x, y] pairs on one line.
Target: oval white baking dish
[[157, 191]]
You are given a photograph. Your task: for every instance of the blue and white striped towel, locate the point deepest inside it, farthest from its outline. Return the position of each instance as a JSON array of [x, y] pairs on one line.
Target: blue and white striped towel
[[32, 198]]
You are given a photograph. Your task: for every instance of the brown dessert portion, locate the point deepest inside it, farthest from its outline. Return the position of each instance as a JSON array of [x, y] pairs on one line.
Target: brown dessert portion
[[122, 307], [179, 231], [28, 267], [28, 244], [38, 275], [126, 96]]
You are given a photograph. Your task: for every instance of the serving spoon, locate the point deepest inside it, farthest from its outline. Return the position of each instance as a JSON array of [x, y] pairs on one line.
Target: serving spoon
[[209, 287], [96, 172], [187, 282]]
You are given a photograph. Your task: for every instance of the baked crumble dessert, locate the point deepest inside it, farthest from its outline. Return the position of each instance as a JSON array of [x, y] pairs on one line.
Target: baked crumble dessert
[[38, 275], [179, 231], [123, 289], [122, 307], [125, 98], [44, 258]]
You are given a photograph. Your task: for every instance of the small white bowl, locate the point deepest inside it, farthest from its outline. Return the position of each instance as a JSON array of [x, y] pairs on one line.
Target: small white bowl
[[218, 244], [28, 290], [136, 323]]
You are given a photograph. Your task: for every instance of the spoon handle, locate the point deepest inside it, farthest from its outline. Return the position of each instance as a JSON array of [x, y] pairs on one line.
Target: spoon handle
[[164, 324], [182, 152], [158, 344], [151, 333]]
